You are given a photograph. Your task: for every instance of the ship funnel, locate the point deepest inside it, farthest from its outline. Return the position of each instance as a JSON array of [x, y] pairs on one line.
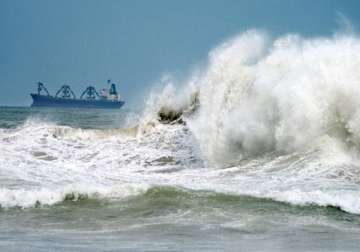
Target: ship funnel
[[113, 89]]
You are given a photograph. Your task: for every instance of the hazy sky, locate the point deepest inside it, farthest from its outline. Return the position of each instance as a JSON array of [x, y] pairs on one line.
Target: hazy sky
[[82, 42]]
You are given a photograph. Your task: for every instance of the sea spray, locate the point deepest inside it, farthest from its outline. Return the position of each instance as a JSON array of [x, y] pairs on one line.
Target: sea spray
[[259, 96], [270, 118], [281, 115]]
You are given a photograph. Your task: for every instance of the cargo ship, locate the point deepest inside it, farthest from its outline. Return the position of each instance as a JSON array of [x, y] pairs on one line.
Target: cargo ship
[[66, 98]]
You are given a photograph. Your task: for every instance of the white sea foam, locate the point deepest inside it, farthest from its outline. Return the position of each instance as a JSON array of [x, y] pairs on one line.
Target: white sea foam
[[276, 119], [49, 196], [292, 99], [42, 162], [259, 96]]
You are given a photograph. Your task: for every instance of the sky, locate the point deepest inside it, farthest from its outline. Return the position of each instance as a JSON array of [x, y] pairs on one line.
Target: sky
[[134, 43]]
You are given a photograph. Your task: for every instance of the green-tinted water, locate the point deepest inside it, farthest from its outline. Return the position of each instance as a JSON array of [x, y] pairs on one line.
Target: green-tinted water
[[73, 180]]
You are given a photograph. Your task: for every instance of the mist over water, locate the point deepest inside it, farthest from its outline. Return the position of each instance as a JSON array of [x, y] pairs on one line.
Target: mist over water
[[263, 140], [260, 95], [282, 113]]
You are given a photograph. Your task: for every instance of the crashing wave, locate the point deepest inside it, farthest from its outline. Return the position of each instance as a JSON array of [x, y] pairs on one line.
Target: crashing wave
[[280, 117], [50, 196], [259, 95]]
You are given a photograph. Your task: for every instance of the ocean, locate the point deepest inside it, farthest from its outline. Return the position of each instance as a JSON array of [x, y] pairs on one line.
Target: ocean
[[256, 151]]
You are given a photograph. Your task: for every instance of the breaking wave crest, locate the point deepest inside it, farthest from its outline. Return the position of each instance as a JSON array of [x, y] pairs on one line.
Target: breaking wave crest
[[45, 196], [269, 118], [283, 113], [260, 95]]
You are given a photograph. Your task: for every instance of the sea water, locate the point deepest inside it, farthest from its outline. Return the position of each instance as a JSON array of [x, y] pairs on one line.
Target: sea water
[[264, 158]]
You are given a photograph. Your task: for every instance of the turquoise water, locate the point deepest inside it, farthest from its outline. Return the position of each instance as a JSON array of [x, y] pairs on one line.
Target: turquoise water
[[75, 180]]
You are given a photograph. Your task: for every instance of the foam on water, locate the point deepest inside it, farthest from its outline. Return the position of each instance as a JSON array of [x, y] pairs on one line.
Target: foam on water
[[259, 95], [43, 162], [292, 99], [273, 118]]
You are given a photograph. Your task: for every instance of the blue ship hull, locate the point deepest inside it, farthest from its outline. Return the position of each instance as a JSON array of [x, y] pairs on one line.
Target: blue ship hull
[[50, 101]]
